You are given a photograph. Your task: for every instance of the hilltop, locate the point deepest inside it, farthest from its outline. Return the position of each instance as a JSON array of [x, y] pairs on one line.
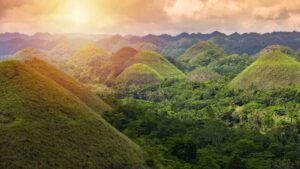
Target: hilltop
[[84, 59], [126, 57], [29, 53], [202, 74], [139, 74], [68, 83], [201, 54], [43, 125], [271, 70]]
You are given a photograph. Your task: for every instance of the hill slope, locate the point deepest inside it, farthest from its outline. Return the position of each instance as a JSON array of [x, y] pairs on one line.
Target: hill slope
[[201, 53], [159, 63], [139, 74], [202, 74], [42, 125], [86, 58], [69, 83], [272, 69], [29, 53]]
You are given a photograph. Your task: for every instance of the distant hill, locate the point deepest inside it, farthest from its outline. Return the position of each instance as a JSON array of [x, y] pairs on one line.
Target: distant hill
[[139, 74], [272, 69], [69, 83], [43, 125], [126, 57], [113, 43], [201, 74], [84, 59], [140, 46], [29, 53], [201, 54], [284, 49]]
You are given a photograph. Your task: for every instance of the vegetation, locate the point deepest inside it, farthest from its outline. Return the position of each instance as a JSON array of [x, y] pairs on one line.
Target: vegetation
[[43, 125], [272, 69], [192, 125], [202, 74], [139, 74]]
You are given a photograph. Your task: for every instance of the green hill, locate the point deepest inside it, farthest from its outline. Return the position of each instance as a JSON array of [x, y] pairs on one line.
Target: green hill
[[139, 74], [272, 69], [202, 74], [158, 63], [284, 49], [126, 57], [117, 63], [86, 58], [29, 53], [201, 54], [69, 83], [43, 125]]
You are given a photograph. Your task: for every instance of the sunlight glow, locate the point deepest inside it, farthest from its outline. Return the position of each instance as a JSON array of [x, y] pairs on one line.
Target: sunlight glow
[[78, 14]]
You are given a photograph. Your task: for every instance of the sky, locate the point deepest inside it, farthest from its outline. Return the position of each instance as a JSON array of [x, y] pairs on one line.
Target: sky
[[149, 16]]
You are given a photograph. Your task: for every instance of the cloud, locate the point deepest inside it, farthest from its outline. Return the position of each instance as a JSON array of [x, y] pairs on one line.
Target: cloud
[[152, 16]]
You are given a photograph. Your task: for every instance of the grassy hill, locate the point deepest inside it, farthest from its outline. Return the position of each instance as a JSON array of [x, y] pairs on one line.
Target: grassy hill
[[43, 125], [139, 74], [29, 53], [69, 83], [159, 63], [202, 74], [272, 69], [284, 49], [201, 54], [86, 58], [126, 57]]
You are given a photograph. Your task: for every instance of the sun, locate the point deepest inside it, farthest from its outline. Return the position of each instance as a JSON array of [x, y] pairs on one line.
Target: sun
[[78, 14]]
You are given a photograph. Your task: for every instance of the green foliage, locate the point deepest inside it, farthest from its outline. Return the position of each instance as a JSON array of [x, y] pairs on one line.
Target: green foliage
[[191, 125]]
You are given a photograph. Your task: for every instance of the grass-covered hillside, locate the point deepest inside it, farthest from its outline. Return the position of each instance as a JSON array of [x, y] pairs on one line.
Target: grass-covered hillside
[[43, 125], [69, 83], [272, 69], [202, 74], [201, 54], [139, 74], [86, 58], [126, 57], [28, 53], [284, 49]]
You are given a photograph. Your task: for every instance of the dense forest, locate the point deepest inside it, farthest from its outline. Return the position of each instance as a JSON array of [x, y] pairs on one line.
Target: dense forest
[[207, 125]]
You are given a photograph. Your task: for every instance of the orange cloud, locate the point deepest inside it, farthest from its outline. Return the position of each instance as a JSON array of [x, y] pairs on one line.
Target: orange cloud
[[148, 16]]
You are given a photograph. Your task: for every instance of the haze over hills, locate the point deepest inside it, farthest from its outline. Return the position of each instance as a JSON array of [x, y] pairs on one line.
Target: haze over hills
[[43, 125], [272, 69], [174, 46]]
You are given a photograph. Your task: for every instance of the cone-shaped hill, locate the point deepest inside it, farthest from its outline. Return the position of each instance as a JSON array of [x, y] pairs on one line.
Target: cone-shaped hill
[[129, 56], [201, 74], [284, 49], [139, 74], [43, 125], [86, 58], [272, 69], [201, 53], [69, 83], [28, 53]]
